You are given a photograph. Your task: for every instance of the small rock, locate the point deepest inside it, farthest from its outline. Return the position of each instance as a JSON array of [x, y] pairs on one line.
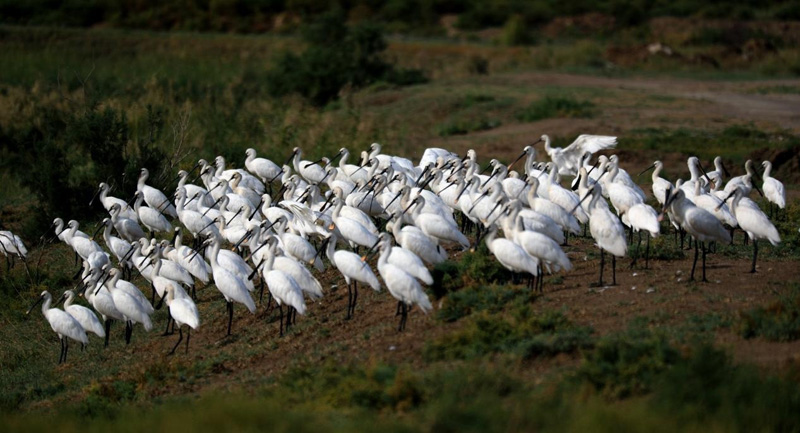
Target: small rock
[[678, 272], [650, 290], [717, 281], [635, 274], [392, 348], [679, 280], [633, 288]]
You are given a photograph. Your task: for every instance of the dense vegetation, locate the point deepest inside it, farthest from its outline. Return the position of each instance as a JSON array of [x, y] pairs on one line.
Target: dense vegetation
[[254, 16], [79, 107]]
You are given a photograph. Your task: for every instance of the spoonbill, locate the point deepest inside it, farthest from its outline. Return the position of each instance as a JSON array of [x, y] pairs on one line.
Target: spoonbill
[[184, 312], [353, 269], [754, 222], [62, 323], [153, 197], [402, 285], [607, 231], [86, 317], [698, 222], [568, 159], [773, 188]]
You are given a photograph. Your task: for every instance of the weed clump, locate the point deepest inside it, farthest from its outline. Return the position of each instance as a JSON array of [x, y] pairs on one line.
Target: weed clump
[[554, 107], [779, 321], [337, 56], [524, 334]]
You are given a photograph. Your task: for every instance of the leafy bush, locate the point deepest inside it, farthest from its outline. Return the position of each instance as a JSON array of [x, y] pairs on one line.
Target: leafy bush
[[627, 364], [465, 126], [780, 321], [550, 107], [61, 156], [525, 334], [336, 57]]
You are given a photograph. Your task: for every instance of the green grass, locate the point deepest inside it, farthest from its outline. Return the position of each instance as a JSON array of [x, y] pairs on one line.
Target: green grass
[[778, 321], [520, 332], [556, 107]]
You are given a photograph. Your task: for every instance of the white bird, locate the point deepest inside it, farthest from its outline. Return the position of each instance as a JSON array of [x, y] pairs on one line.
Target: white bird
[[414, 240], [62, 323], [82, 245], [539, 246], [698, 222], [229, 284], [641, 217], [309, 170], [265, 169], [754, 222], [739, 181], [435, 226], [83, 315], [353, 269], [102, 301], [11, 245], [119, 284], [153, 197], [133, 311], [184, 312], [128, 228], [285, 290], [401, 285], [109, 201], [512, 256], [607, 231], [773, 188], [660, 185], [118, 246], [152, 218], [568, 159]]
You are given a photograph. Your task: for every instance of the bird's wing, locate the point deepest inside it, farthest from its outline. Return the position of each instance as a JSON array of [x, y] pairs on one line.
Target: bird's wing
[[591, 144]]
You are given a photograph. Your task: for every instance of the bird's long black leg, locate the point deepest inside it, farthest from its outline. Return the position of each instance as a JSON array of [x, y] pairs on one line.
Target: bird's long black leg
[[703, 246], [188, 336], [349, 300], [108, 331], [397, 313], [602, 265], [280, 307], [355, 298], [613, 270], [166, 330], [66, 349], [61, 352], [230, 317], [755, 254], [694, 264], [180, 337]]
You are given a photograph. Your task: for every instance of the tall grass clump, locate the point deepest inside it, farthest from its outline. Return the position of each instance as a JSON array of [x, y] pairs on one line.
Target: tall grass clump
[[554, 107], [336, 57], [778, 321]]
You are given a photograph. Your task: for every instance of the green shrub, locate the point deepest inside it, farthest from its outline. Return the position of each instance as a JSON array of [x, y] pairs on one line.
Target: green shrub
[[550, 107], [779, 321], [526, 334], [337, 56], [627, 364]]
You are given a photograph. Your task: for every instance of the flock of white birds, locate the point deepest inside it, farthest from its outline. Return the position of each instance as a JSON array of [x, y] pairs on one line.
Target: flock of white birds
[[245, 238]]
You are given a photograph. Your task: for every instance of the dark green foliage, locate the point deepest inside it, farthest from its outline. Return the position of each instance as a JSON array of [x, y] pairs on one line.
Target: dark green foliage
[[337, 56], [62, 156], [706, 385], [476, 298], [465, 126], [627, 364], [524, 334], [780, 321], [550, 107]]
